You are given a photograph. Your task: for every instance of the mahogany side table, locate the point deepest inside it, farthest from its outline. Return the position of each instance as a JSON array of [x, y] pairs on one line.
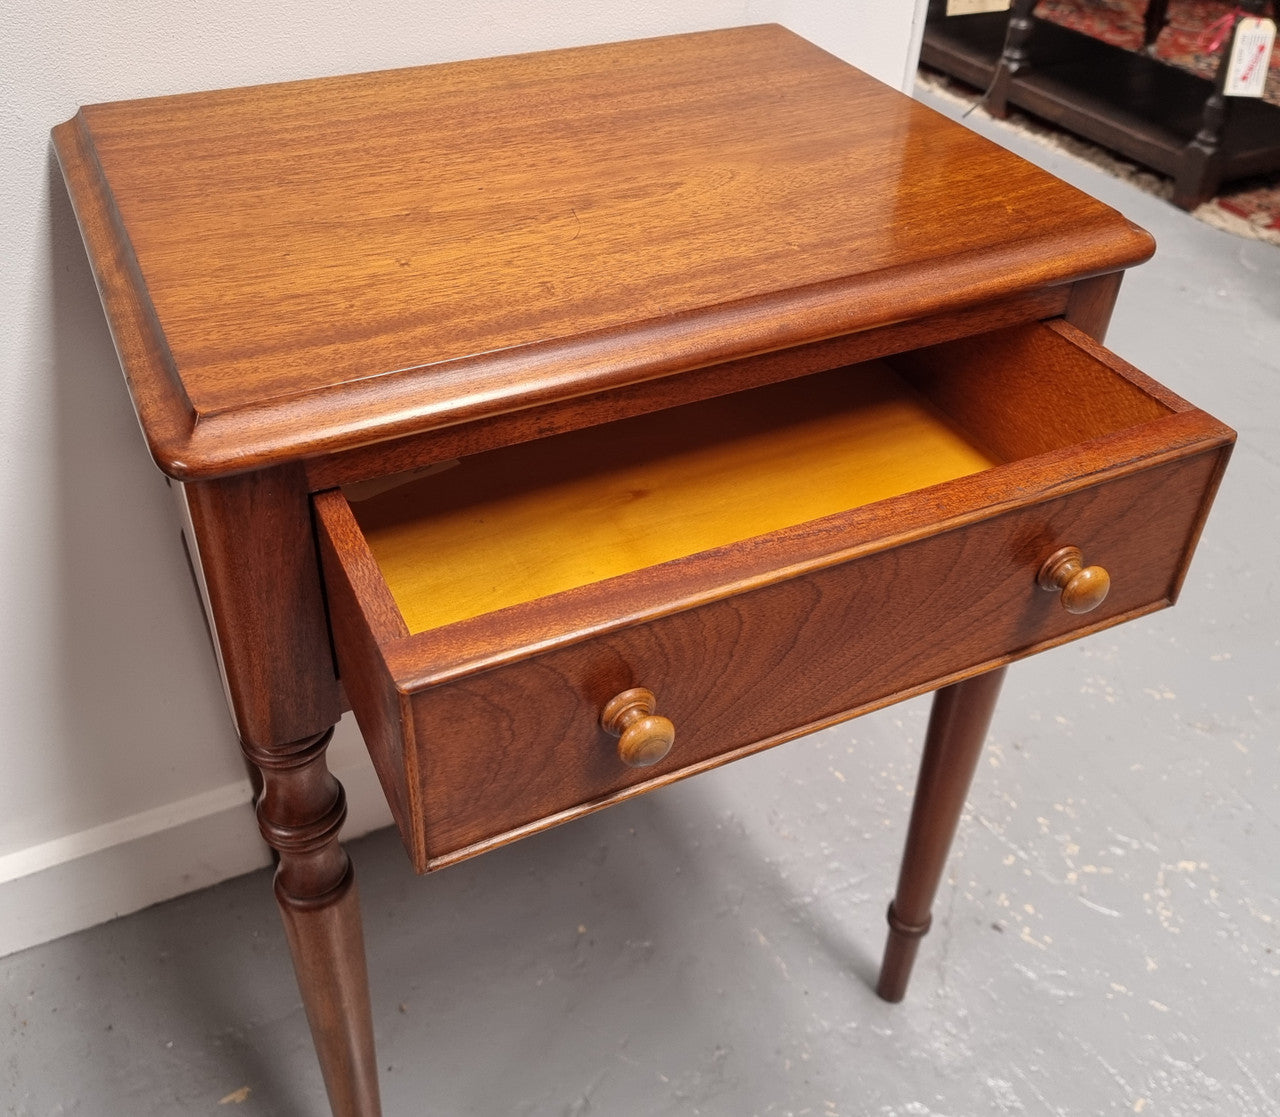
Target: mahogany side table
[[586, 420]]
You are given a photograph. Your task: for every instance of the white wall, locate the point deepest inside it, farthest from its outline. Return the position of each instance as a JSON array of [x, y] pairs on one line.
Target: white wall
[[120, 783]]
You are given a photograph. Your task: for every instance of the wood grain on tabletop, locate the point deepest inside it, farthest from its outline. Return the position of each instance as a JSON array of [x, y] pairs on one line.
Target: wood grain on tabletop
[[319, 264]]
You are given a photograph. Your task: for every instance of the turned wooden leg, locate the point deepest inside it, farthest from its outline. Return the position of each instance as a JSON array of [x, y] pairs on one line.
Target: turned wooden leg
[[300, 812], [957, 728], [1200, 168], [1153, 21], [1014, 58]]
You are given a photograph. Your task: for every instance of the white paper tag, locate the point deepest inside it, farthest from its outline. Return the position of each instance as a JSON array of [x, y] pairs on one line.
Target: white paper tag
[[974, 7], [1250, 58]]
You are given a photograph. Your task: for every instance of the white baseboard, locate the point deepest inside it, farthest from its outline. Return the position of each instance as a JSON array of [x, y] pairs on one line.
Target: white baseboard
[[80, 880]]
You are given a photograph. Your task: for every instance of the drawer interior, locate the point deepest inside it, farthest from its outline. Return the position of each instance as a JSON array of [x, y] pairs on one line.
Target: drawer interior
[[515, 524]]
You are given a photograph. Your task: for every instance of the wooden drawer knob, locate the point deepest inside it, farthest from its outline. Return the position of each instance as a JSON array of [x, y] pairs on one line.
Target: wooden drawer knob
[[644, 737], [1083, 588]]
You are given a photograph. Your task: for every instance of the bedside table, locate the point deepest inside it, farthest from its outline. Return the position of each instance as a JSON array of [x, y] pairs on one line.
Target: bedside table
[[586, 420]]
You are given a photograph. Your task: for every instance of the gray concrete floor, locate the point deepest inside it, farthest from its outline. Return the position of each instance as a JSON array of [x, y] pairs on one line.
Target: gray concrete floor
[[1108, 941]]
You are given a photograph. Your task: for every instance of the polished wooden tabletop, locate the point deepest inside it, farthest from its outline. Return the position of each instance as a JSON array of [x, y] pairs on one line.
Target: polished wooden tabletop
[[321, 264]]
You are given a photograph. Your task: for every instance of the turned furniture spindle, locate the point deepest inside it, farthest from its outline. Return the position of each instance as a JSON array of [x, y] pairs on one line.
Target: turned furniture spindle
[[678, 383], [300, 813]]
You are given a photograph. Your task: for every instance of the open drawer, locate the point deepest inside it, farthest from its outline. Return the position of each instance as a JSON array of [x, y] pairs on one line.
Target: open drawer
[[763, 564]]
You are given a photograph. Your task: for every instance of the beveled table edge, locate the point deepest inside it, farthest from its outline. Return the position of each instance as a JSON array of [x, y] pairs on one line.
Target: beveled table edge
[[188, 444]]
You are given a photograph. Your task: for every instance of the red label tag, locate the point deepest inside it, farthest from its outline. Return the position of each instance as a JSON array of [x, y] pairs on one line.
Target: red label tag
[[1250, 58]]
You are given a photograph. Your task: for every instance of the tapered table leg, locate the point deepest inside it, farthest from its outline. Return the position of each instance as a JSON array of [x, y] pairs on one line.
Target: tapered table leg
[[957, 729], [301, 812]]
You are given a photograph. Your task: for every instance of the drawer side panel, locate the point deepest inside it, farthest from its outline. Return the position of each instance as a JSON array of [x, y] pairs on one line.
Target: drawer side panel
[[356, 628]]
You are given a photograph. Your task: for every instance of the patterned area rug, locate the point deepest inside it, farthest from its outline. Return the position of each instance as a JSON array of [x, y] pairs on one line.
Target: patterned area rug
[[1191, 39]]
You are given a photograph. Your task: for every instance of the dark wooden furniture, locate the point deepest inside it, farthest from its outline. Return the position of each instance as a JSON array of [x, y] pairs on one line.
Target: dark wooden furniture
[[1165, 118], [611, 414]]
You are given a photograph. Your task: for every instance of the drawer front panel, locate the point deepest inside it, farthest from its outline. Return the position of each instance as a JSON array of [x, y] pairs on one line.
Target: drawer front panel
[[506, 748]]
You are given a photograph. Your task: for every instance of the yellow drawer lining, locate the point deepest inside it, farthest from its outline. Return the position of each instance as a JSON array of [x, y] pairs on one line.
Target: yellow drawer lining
[[525, 521]]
